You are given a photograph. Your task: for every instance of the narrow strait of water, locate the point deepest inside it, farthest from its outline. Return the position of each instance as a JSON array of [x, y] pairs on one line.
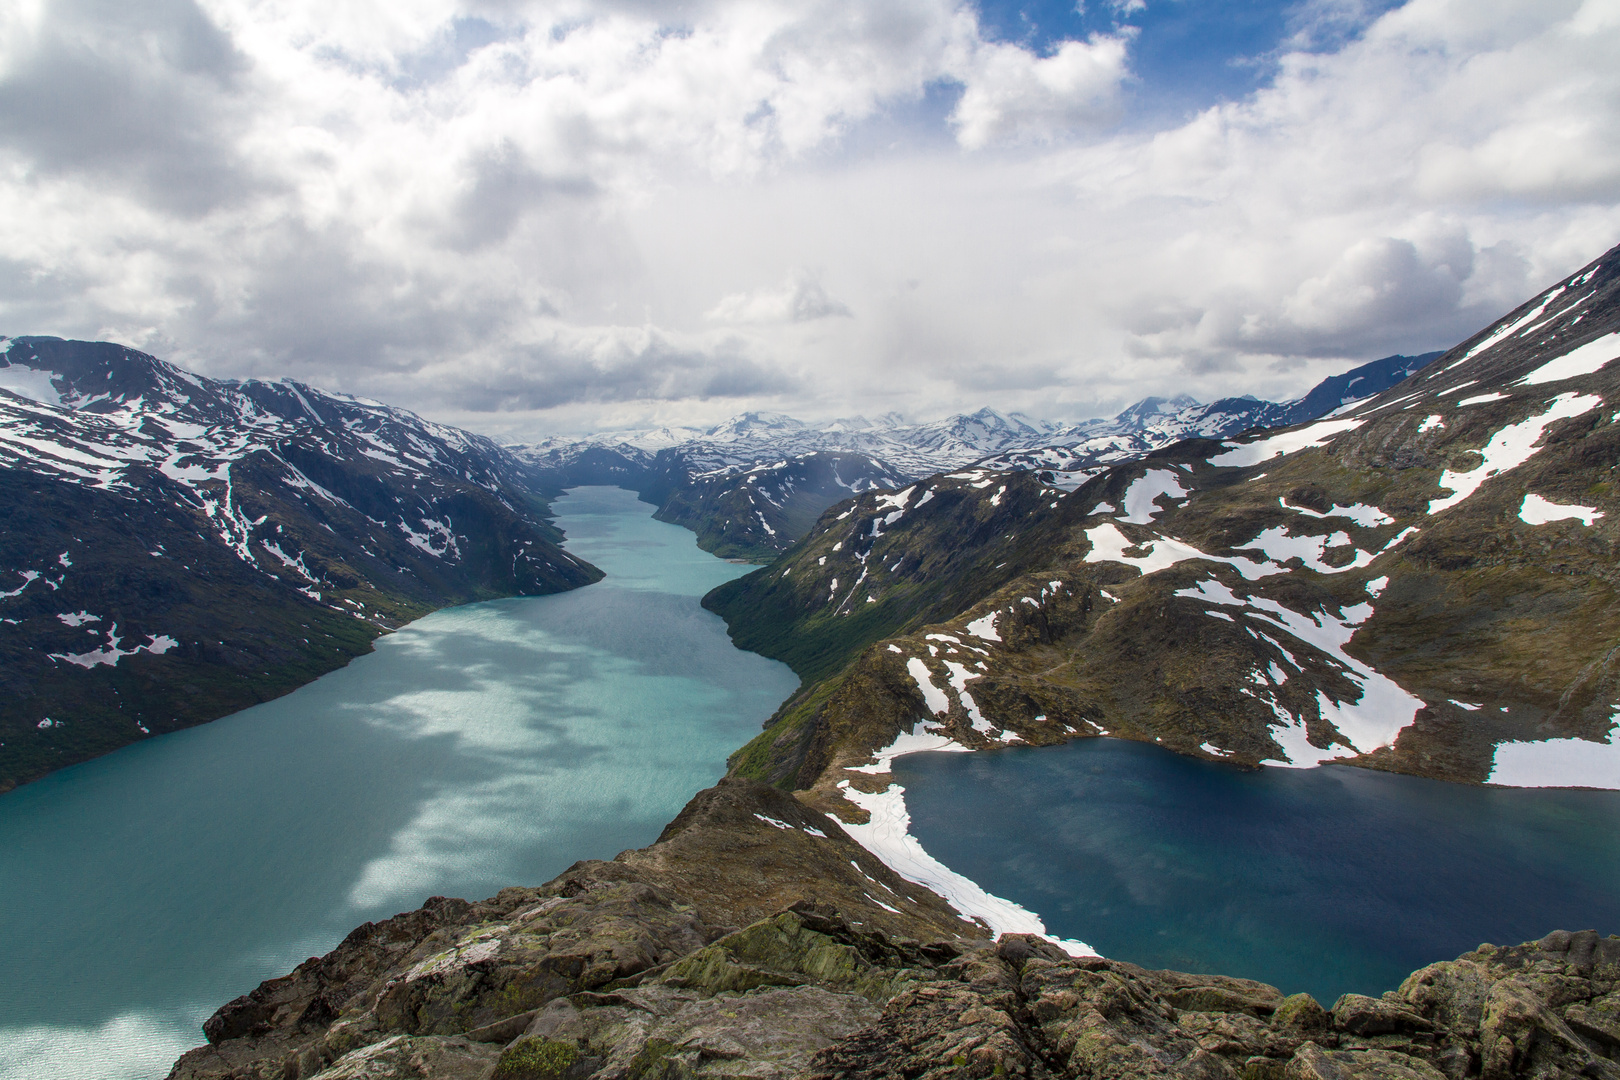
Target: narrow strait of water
[[482, 746], [1329, 880]]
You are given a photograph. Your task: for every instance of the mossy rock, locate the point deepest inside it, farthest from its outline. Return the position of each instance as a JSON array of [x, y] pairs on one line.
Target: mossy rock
[[659, 1059], [536, 1058], [1302, 1013]]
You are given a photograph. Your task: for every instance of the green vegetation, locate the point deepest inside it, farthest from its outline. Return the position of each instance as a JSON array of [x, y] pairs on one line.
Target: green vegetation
[[536, 1058]]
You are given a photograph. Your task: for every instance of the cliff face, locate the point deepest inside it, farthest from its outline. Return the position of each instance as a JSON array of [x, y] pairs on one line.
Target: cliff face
[[755, 939]]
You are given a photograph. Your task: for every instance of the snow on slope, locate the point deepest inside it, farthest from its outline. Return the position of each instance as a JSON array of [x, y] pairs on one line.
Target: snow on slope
[[104, 417]]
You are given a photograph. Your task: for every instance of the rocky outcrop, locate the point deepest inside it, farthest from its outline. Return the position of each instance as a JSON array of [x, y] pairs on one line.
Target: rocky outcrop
[[628, 970]]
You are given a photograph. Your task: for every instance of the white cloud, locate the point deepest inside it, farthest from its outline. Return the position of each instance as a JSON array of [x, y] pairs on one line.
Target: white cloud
[[1011, 94], [532, 207], [800, 298]]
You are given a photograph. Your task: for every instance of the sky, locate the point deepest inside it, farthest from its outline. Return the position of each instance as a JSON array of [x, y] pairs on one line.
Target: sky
[[533, 218]]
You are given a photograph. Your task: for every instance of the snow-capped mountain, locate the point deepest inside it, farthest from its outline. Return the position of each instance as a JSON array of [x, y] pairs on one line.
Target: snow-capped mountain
[[234, 537], [720, 482], [1420, 582], [751, 439], [1074, 455], [752, 485]]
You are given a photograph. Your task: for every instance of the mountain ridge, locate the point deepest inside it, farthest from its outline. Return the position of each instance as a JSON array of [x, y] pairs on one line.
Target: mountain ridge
[[178, 548], [732, 483], [1294, 596]]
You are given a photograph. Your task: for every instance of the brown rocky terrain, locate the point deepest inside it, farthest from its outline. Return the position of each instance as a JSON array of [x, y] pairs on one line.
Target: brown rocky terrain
[[755, 939]]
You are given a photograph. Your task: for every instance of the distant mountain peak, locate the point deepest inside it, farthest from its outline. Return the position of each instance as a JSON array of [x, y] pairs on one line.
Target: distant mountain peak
[[1151, 408], [750, 422]]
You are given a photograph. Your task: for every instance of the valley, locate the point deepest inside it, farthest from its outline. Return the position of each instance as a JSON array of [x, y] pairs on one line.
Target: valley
[[1415, 581]]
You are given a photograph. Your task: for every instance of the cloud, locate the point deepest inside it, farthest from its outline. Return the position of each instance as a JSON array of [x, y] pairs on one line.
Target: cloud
[[798, 299], [127, 95], [533, 208], [607, 364], [1012, 94]]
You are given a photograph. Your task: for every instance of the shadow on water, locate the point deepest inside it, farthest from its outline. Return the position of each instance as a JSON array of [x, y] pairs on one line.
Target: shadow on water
[[482, 746], [1327, 880]]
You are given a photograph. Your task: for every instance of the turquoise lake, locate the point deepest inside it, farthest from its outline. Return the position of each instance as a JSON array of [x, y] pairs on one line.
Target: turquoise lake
[[1327, 880], [495, 744], [482, 746]]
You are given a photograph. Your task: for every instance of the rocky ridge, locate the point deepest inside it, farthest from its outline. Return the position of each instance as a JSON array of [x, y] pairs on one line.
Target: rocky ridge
[[177, 548], [641, 967]]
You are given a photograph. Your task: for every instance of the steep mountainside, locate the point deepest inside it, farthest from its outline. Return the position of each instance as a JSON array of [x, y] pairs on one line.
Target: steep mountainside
[[639, 969], [748, 512], [176, 548], [1424, 583], [752, 486]]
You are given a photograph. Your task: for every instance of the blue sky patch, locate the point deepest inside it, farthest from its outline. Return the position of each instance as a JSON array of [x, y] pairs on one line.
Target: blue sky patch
[[1188, 54]]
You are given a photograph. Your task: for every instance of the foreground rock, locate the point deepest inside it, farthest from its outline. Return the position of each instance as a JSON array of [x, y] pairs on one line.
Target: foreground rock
[[636, 968]]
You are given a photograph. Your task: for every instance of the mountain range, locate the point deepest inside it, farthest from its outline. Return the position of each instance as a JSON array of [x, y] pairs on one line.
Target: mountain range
[[178, 547], [753, 485], [1421, 583]]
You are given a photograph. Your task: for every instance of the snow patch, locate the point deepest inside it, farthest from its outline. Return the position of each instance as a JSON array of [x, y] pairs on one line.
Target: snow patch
[[1288, 442], [1510, 447], [887, 835], [1508, 329], [1278, 544], [110, 653], [933, 697], [1108, 544], [958, 679], [1140, 505], [1586, 360], [984, 627], [28, 576], [1368, 517], [1557, 763], [1373, 720], [1538, 511], [920, 739]]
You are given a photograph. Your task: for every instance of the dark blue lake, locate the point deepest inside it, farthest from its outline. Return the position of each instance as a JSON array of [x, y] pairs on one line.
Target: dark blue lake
[[1328, 880]]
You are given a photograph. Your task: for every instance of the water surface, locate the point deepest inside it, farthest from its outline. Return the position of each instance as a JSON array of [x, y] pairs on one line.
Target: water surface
[[1327, 880], [482, 746]]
